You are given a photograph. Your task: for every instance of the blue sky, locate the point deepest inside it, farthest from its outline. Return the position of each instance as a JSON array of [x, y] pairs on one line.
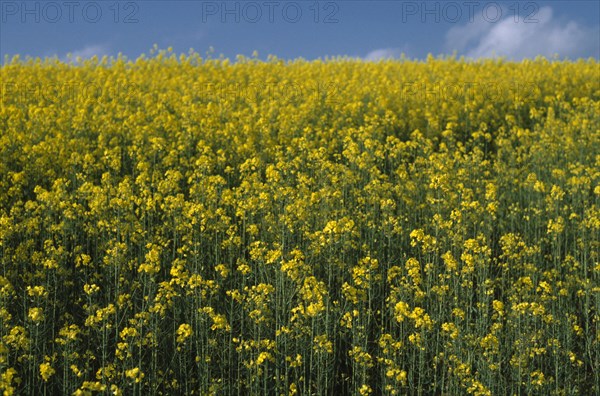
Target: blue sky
[[302, 28]]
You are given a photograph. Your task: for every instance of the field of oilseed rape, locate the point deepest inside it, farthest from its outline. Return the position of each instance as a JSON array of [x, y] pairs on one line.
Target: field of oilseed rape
[[179, 225]]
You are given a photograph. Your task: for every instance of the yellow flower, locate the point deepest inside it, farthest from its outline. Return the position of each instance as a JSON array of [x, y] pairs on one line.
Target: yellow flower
[[322, 344], [46, 371], [88, 387], [346, 320], [36, 291], [222, 270], [451, 329], [361, 357], [537, 378], [262, 357], [76, 370], [450, 262], [6, 381], [36, 314], [244, 268], [90, 289], [401, 311], [135, 374], [115, 390], [421, 318], [556, 226], [184, 332], [498, 307], [265, 200]]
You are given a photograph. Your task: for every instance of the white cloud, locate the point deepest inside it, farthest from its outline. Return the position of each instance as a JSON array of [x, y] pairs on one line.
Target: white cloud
[[385, 53], [517, 39], [89, 51], [459, 38]]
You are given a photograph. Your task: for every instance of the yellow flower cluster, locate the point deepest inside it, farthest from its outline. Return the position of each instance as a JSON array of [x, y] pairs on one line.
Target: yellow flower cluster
[[188, 225]]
